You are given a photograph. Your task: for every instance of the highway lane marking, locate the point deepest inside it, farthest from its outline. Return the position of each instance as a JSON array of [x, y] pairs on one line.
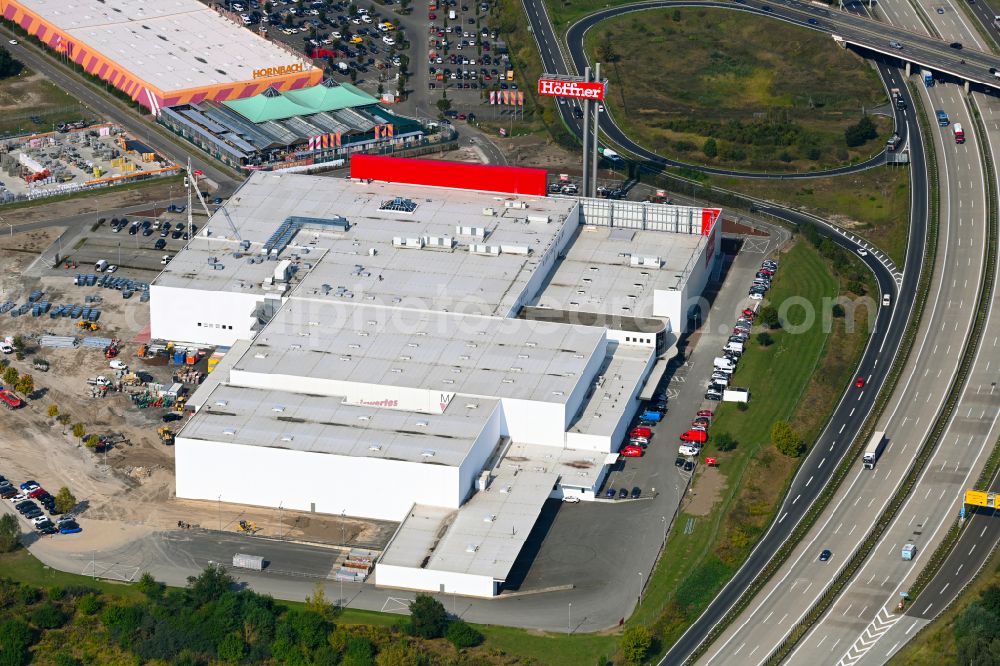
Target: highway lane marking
[[911, 628], [852, 529], [782, 620], [821, 463], [862, 611], [885, 581], [838, 528], [847, 609], [944, 588], [844, 425], [892, 649], [754, 650], [870, 580], [980, 536], [768, 617], [739, 648], [809, 481], [959, 569], [796, 499], [783, 516], [807, 587], [972, 549]]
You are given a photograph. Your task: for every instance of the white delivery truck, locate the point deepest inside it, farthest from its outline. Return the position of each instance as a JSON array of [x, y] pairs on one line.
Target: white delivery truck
[[451, 14], [736, 395], [874, 449], [101, 265], [252, 562]]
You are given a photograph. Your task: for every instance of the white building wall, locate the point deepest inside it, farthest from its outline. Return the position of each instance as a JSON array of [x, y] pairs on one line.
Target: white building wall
[[533, 422], [480, 452], [586, 380], [304, 481], [633, 339], [453, 582], [202, 317]]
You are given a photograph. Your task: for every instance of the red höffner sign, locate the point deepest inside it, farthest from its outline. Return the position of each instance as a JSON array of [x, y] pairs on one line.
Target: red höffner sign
[[575, 89]]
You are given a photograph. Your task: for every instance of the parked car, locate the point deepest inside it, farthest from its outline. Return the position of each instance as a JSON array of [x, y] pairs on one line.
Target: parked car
[[610, 493], [631, 451], [29, 485], [705, 412], [688, 466], [679, 462], [640, 431], [694, 436], [623, 494], [69, 527]]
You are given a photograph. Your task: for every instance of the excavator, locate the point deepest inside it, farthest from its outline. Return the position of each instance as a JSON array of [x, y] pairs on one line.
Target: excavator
[[87, 325], [247, 527], [166, 435]]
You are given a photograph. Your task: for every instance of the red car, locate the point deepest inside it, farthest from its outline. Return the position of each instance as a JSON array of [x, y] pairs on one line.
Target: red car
[[640, 431], [431, 17], [632, 451], [37, 492], [748, 313], [860, 382], [707, 413], [694, 436]]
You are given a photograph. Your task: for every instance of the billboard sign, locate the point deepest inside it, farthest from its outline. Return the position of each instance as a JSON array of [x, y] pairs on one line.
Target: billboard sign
[[551, 87], [265, 72]]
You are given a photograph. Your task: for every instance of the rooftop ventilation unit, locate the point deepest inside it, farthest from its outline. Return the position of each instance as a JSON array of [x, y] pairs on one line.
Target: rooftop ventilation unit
[[646, 262], [398, 205], [375, 447], [229, 431], [475, 232], [277, 408], [471, 548], [487, 250], [287, 438], [428, 453], [520, 205], [412, 243], [489, 518], [445, 242]]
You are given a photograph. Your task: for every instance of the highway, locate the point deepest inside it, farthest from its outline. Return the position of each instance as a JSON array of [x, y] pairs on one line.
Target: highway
[[872, 636], [854, 408]]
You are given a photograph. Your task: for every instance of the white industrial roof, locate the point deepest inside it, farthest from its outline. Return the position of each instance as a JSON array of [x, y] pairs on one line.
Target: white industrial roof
[[485, 536], [171, 44], [596, 274], [364, 261], [623, 368], [466, 354], [300, 422]]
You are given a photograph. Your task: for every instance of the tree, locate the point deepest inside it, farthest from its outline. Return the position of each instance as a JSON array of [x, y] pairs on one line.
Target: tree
[[427, 617], [318, 604], [786, 440], [860, 132], [65, 500], [79, 430], [769, 317], [231, 649], [443, 104], [64, 419], [18, 343], [92, 441], [725, 442], [764, 339], [463, 635], [52, 411], [10, 376], [26, 385], [9, 533], [48, 616], [149, 586], [9, 66], [636, 642], [15, 639], [710, 148]]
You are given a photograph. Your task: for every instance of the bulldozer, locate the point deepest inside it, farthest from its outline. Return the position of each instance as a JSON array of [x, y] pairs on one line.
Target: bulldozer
[[247, 527], [87, 325], [166, 435], [141, 352]]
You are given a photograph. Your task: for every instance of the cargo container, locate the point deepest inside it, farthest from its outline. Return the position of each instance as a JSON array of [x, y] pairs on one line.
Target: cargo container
[[252, 562]]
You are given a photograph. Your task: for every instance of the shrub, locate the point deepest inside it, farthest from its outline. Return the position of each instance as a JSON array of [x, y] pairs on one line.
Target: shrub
[[427, 617], [9, 533], [65, 501], [48, 616], [89, 604], [860, 132], [725, 442], [769, 317], [463, 635], [636, 642], [15, 639], [710, 148], [786, 440], [764, 339]]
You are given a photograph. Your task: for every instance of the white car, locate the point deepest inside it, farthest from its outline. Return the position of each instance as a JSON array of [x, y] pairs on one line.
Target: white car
[[20, 497], [862, 252], [388, 40], [40, 519], [118, 364], [571, 499], [6, 348], [755, 296], [366, 18], [12, 42], [111, 269], [686, 450], [335, 34]]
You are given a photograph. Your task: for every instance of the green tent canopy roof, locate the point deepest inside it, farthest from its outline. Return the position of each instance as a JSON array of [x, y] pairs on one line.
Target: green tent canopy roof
[[274, 105]]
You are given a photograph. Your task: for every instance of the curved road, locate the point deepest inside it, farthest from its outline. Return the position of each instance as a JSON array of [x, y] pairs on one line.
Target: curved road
[[890, 324], [575, 38]]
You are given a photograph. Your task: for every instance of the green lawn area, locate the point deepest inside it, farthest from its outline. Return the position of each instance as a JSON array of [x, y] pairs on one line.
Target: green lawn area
[[769, 96], [29, 94], [874, 204], [695, 566]]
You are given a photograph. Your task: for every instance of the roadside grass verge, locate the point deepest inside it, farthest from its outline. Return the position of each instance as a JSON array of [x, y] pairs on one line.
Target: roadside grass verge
[[874, 204], [771, 96], [785, 378]]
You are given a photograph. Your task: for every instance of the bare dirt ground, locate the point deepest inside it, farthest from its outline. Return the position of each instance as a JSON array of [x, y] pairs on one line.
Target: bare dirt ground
[[534, 151], [92, 204], [130, 489], [471, 154], [709, 491]]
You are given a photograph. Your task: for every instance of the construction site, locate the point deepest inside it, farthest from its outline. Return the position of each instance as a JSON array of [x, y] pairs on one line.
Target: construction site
[[73, 158], [86, 346]]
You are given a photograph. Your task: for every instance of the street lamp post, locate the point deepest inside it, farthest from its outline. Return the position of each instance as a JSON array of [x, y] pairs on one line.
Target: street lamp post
[[569, 618], [220, 513], [640, 588], [664, 527], [343, 541]]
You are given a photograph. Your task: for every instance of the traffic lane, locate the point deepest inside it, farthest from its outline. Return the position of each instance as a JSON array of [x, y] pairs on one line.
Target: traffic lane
[[951, 24], [157, 138], [865, 595]]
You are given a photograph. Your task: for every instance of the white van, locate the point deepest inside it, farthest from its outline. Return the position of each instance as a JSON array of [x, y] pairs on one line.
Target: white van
[[886, 300], [101, 265], [735, 347], [451, 14], [686, 450], [723, 363]]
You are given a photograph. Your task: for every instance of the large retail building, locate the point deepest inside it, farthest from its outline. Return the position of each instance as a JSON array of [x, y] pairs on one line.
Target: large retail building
[[433, 354], [162, 53]]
